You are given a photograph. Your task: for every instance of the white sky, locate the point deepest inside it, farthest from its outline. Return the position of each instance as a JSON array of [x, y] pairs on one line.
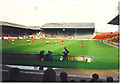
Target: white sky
[[39, 12]]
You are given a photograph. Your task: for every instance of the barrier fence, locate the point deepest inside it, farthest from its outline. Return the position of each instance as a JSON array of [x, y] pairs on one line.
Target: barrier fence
[[45, 57]]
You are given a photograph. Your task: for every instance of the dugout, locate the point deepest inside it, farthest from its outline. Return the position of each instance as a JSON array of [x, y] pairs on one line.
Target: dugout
[[69, 29]]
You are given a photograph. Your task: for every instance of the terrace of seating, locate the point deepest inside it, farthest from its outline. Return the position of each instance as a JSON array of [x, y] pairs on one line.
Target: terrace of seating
[[108, 36]]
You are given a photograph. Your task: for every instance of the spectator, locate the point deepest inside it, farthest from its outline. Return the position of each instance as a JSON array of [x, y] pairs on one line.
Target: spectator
[[109, 79], [49, 75], [63, 77], [50, 56], [95, 78], [14, 74], [41, 55]]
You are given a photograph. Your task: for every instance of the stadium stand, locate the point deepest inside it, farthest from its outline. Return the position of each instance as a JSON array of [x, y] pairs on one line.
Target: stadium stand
[[68, 30], [16, 30], [49, 30], [110, 37]]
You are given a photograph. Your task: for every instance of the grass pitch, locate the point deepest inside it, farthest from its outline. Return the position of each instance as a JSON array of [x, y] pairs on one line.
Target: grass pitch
[[104, 56]]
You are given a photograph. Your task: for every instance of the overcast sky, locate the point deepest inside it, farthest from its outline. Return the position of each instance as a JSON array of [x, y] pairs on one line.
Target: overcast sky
[[39, 12]]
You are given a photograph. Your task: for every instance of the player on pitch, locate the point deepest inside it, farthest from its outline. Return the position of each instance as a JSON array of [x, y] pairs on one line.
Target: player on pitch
[[8, 40], [35, 39], [28, 41], [62, 42], [56, 42], [82, 44], [47, 42], [32, 40], [42, 39], [12, 41]]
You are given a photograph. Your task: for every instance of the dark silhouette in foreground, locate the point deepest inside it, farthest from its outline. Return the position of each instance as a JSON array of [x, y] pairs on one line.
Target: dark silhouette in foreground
[[49, 75], [63, 77], [13, 74]]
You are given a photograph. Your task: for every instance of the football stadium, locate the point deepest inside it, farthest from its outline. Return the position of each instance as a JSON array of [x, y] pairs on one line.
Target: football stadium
[[58, 51]]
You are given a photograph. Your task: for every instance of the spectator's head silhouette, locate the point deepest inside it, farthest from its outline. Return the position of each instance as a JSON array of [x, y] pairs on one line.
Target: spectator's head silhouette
[[109, 79], [64, 47], [95, 78], [14, 74], [48, 51], [49, 75], [63, 76], [43, 51]]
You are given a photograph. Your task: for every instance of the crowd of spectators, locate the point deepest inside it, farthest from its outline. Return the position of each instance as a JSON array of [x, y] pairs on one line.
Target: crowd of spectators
[[49, 75], [47, 57], [55, 35], [12, 35], [48, 33]]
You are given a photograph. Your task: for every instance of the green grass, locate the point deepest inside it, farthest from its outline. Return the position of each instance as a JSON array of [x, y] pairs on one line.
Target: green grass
[[104, 56]]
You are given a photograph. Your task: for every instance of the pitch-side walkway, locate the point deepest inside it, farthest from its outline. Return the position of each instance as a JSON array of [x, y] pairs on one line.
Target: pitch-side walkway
[[111, 45]]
